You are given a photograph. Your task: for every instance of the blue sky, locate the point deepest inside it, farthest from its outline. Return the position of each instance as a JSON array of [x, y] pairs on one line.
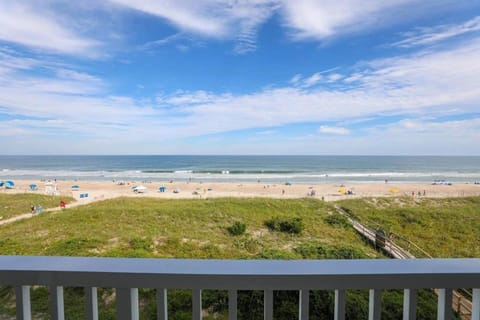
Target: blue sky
[[240, 77]]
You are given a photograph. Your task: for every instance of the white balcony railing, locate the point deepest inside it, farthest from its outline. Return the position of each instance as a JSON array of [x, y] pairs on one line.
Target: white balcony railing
[[127, 275]]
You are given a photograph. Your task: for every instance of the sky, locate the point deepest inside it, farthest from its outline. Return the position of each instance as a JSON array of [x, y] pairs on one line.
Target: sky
[[320, 77]]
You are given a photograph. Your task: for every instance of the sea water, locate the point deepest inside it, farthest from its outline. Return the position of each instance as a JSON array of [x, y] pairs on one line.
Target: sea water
[[278, 169]]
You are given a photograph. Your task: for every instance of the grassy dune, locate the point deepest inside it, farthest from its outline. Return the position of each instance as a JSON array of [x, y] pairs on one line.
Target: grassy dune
[[445, 228], [132, 227], [178, 228], [15, 204]]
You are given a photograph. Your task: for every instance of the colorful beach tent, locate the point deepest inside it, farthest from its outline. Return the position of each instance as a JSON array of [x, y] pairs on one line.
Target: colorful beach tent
[[33, 186], [9, 184], [393, 190], [162, 188], [343, 191], [75, 187]]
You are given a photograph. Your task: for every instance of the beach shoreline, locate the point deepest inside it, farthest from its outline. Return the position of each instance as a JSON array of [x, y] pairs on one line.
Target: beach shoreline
[[91, 191]]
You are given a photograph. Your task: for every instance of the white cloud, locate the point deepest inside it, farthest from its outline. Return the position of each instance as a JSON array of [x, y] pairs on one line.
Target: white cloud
[[312, 80], [333, 130], [239, 20], [29, 24], [295, 79], [69, 101], [426, 36], [319, 19]]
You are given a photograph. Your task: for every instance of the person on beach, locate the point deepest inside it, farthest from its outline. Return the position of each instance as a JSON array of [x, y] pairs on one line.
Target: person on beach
[[32, 209], [63, 204]]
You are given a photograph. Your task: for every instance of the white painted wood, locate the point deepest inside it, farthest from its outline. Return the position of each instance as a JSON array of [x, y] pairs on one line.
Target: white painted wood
[[162, 304], [476, 304], [304, 304], [409, 304], [127, 304], [375, 304], [238, 274], [56, 303], [444, 307], [268, 304], [232, 304], [339, 311], [197, 304], [91, 303], [22, 296]]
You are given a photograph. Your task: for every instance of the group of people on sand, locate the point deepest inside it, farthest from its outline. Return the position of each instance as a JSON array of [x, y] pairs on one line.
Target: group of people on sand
[[419, 193]]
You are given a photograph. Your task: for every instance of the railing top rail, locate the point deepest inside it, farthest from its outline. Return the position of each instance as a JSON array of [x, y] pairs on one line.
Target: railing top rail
[[375, 273], [241, 267]]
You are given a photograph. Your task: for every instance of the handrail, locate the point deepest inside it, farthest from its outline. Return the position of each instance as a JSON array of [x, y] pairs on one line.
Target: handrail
[[128, 274], [240, 274]]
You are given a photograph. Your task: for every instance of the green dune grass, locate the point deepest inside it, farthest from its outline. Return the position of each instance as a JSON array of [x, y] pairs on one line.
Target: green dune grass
[[148, 227], [444, 228], [15, 204]]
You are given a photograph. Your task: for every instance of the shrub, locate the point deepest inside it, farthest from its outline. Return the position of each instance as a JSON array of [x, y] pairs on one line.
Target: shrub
[[288, 225], [325, 251], [337, 220], [237, 229]]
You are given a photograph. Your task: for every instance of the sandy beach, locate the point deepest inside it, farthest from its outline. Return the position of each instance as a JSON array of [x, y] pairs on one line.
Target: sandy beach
[[99, 190]]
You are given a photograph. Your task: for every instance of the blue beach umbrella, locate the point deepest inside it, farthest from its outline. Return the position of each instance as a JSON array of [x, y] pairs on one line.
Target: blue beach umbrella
[[33, 186], [1, 183], [9, 184]]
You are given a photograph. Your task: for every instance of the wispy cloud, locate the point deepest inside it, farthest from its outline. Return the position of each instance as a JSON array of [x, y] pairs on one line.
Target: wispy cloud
[[223, 20], [333, 130], [425, 83], [33, 26], [427, 36], [312, 19]]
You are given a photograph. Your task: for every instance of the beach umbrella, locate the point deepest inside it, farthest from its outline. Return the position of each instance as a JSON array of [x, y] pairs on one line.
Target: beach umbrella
[[75, 187], [1, 183], [9, 184], [33, 186], [393, 190]]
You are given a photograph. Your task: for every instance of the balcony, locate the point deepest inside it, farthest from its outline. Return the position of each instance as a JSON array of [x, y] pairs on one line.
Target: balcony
[[127, 275]]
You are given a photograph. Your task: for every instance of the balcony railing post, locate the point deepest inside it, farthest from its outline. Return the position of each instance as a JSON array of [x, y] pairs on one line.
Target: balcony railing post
[[162, 304], [409, 304], [476, 304], [339, 312], [304, 304], [375, 304], [56, 303], [91, 303], [127, 303], [268, 305], [197, 304], [444, 307], [232, 304], [22, 296]]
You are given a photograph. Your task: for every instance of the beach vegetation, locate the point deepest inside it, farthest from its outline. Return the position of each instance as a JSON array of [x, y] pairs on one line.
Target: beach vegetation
[[338, 220], [442, 227], [195, 228], [285, 224], [15, 204], [237, 228]]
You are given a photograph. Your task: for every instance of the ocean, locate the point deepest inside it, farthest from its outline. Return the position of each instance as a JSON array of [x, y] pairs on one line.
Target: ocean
[[275, 169]]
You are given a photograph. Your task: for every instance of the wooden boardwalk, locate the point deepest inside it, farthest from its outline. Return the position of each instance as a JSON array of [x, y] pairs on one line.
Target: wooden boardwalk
[[460, 303]]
